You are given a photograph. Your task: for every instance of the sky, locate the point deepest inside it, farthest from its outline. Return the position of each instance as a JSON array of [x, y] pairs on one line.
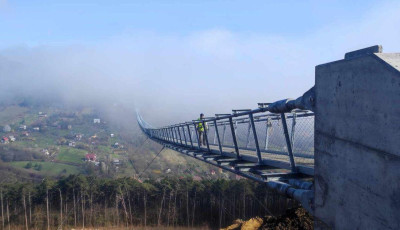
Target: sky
[[175, 59]]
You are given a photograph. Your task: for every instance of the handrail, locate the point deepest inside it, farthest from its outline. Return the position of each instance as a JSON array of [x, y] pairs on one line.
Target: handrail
[[283, 115]]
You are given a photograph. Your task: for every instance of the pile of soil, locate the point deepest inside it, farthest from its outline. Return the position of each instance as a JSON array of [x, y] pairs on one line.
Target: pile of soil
[[293, 219]]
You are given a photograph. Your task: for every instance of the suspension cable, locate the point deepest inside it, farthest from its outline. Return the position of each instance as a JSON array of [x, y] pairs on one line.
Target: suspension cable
[[148, 165]]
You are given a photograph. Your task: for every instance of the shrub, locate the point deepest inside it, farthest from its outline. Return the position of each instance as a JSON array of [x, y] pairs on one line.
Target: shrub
[[28, 165]]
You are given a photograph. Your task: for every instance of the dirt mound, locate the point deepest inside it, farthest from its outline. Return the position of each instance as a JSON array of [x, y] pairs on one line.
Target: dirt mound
[[294, 219]]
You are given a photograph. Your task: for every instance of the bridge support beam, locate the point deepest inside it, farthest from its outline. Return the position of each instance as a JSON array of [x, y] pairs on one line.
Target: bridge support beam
[[357, 142]]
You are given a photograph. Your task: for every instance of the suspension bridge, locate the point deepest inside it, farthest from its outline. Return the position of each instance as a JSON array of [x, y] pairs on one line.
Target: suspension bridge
[[339, 121], [273, 144]]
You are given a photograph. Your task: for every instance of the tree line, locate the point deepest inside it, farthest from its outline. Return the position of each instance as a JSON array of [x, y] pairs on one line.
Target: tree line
[[89, 201]]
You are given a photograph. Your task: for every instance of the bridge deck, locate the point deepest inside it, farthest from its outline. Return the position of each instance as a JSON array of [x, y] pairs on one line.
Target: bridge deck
[[305, 164], [309, 162]]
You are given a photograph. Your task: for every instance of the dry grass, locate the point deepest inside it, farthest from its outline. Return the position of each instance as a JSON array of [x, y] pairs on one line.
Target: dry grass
[[142, 228], [114, 228], [251, 224]]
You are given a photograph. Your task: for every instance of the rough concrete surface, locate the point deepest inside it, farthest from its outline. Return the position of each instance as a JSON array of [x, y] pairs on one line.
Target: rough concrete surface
[[357, 140]]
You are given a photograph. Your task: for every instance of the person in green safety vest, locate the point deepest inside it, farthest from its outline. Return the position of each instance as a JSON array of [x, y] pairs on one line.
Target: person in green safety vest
[[202, 130]]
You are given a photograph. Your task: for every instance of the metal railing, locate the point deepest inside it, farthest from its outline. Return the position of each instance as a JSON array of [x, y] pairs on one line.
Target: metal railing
[[278, 132], [273, 144], [253, 132]]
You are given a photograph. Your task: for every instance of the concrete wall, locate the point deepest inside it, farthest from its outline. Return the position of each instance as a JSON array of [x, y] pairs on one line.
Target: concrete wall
[[357, 143]]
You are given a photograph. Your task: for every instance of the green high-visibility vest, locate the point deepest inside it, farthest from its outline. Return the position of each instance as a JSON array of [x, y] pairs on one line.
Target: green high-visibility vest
[[200, 127]]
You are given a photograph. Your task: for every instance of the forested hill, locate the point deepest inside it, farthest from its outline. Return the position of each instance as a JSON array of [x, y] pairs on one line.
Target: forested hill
[[86, 201]]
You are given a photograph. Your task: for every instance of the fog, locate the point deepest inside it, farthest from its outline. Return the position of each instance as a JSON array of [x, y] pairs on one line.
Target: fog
[[172, 78]]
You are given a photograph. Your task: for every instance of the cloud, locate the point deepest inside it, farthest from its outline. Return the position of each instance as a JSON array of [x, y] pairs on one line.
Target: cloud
[[172, 78]]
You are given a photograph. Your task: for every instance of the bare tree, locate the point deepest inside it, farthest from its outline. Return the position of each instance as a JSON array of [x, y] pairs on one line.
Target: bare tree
[[161, 208], [116, 208], [169, 206], [66, 206], [2, 208], [30, 207], [124, 206], [26, 217], [130, 207], [83, 209], [8, 216], [187, 207], [73, 191], [220, 210], [194, 207], [174, 213], [47, 209], [61, 212], [91, 206], [105, 209], [145, 208]]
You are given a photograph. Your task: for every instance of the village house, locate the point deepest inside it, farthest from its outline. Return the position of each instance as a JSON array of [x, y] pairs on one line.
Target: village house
[[12, 138], [197, 178], [237, 177], [41, 114], [72, 144], [112, 135], [116, 162], [93, 140], [5, 140], [78, 137], [46, 152], [36, 128], [23, 127], [119, 151], [136, 177], [90, 157], [7, 128], [25, 134], [96, 121]]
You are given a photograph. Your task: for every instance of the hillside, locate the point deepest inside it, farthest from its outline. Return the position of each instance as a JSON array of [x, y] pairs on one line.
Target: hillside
[[100, 159], [40, 141]]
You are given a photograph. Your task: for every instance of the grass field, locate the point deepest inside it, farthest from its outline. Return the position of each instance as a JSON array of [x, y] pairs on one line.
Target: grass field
[[30, 118], [87, 129], [44, 141], [105, 149], [48, 168], [10, 114], [37, 140], [71, 154]]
